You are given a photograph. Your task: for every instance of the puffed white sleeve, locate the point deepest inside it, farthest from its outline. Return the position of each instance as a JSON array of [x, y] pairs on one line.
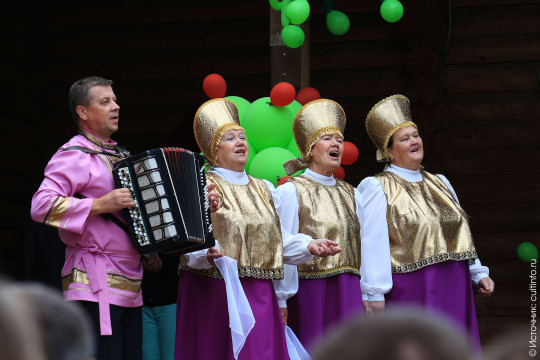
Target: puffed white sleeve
[[376, 267], [295, 245], [288, 287], [478, 271]]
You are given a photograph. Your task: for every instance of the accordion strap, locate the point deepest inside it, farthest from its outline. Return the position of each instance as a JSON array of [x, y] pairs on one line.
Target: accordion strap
[[90, 151]]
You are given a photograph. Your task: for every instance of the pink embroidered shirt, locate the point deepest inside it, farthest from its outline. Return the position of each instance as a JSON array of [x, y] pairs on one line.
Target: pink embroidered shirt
[[101, 263]]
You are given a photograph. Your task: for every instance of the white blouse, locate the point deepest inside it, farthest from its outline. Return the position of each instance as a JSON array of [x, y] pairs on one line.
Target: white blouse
[[288, 214], [378, 280], [294, 247]]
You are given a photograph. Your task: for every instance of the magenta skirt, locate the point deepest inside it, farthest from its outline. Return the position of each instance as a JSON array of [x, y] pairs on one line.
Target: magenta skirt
[[321, 304], [444, 288], [202, 320]]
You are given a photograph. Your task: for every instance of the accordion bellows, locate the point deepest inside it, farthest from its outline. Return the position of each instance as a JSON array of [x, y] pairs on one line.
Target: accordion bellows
[[172, 211]]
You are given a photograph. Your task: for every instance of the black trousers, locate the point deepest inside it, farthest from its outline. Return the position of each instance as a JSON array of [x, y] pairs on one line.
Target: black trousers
[[125, 343]]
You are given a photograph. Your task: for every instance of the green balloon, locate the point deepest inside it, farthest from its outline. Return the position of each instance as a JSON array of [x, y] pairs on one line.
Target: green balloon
[[527, 252], [297, 12], [292, 147], [267, 125], [338, 23], [268, 164], [275, 4], [251, 154], [391, 10], [241, 103], [292, 36], [295, 106]]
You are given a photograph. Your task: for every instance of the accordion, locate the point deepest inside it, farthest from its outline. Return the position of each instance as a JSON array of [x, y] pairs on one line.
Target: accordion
[[172, 208]]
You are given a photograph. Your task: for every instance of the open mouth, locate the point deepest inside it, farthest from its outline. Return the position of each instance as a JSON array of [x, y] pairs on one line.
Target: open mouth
[[415, 149], [334, 154], [240, 151]]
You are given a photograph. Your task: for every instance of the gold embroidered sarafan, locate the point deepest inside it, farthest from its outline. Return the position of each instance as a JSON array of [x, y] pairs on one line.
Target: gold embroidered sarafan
[[247, 228], [329, 212], [426, 225]]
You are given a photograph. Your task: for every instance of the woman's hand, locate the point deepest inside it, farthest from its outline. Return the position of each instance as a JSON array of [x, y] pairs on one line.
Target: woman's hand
[[486, 286], [373, 307], [284, 313], [213, 198], [152, 263], [212, 254], [323, 247]]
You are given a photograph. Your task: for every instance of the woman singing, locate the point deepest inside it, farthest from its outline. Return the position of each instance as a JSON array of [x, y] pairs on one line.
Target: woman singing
[[417, 247], [316, 205]]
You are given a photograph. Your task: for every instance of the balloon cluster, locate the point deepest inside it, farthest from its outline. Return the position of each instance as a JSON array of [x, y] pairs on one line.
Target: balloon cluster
[[296, 12], [391, 10], [268, 124]]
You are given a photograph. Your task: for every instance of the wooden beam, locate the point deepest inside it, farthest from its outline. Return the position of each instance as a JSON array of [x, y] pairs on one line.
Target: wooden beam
[[290, 65]]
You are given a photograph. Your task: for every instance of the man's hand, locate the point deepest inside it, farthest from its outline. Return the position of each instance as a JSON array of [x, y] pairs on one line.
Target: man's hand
[[213, 198], [373, 307], [112, 201], [486, 286], [323, 247], [212, 254], [152, 263], [284, 313]]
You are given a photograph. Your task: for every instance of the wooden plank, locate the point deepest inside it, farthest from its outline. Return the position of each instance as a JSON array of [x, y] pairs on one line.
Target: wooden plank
[[161, 36], [496, 20], [497, 188], [493, 49], [471, 162], [504, 217], [507, 300], [169, 65], [465, 78], [363, 27], [68, 14], [475, 3], [352, 55], [478, 134], [495, 106], [360, 82]]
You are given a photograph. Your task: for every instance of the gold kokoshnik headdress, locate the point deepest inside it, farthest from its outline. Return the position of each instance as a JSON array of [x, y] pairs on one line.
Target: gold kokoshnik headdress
[[314, 120], [384, 119], [212, 120]]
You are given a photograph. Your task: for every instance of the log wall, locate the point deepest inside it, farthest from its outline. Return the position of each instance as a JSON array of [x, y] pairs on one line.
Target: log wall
[[477, 101]]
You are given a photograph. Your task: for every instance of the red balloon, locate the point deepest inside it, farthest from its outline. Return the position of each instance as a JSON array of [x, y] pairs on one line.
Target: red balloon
[[350, 153], [214, 86], [307, 94], [283, 180], [339, 173], [282, 94]]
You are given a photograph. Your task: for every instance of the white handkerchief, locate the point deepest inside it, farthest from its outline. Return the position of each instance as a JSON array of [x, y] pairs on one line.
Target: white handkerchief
[[241, 319], [294, 347]]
